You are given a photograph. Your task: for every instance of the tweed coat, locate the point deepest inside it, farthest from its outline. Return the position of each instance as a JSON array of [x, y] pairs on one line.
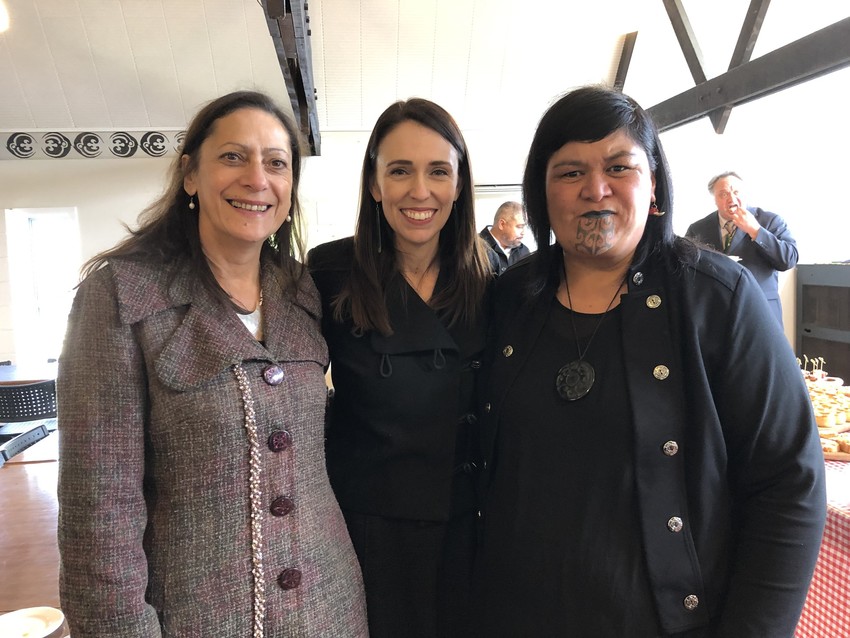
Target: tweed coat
[[773, 250], [161, 474]]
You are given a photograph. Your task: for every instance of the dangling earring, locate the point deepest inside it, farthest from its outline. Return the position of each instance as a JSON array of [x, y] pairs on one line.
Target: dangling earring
[[191, 202], [378, 224], [653, 210]]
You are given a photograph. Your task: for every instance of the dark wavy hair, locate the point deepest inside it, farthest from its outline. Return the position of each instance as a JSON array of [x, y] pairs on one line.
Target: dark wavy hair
[[168, 230], [589, 114], [462, 256]]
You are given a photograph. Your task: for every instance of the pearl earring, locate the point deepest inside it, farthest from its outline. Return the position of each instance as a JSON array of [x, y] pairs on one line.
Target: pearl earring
[[191, 202]]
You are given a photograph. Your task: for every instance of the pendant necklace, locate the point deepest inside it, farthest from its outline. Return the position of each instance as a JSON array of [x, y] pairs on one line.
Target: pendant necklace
[[575, 379]]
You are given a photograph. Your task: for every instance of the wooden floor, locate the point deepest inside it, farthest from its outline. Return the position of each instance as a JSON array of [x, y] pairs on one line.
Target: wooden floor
[[29, 557]]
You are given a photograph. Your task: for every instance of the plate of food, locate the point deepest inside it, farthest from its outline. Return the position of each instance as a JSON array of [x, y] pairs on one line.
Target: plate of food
[[32, 622], [836, 447]]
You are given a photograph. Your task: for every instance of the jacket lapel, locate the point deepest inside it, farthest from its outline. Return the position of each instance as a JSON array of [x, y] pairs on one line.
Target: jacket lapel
[[416, 326], [200, 337]]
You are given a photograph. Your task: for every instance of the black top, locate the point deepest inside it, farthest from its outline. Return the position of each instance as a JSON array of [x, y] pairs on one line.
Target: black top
[[401, 419], [562, 540]]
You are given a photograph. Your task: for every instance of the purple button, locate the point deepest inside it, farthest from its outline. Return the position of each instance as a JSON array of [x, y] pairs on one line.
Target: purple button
[[280, 440], [273, 375], [289, 578], [282, 506]]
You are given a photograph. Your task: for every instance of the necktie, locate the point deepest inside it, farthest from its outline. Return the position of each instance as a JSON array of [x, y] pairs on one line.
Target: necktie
[[730, 229]]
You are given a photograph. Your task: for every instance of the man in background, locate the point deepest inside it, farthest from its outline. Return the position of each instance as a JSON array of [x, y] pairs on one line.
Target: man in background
[[504, 237], [759, 238]]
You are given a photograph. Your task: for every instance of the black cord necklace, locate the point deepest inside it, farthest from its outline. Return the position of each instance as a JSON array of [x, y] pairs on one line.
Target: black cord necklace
[[575, 379]]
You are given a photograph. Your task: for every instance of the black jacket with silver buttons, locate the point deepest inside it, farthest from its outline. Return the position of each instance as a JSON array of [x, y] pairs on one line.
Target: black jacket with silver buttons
[[729, 471]]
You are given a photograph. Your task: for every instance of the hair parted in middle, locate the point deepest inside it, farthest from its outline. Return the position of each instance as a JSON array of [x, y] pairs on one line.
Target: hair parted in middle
[[168, 227], [462, 256]]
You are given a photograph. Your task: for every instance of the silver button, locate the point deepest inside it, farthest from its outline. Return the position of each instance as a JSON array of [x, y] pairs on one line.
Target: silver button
[[691, 602], [653, 301], [670, 448], [637, 278], [661, 372], [508, 351], [675, 524], [487, 407]]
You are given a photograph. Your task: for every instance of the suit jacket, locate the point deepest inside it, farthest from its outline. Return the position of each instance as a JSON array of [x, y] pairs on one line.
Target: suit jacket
[[499, 261], [403, 408], [773, 250], [731, 457], [178, 429]]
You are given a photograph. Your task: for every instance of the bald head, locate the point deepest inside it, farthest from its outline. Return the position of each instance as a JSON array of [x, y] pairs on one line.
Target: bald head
[[509, 224]]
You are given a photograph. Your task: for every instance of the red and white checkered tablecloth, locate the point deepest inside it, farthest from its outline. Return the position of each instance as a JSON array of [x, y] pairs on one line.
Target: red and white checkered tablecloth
[[827, 610]]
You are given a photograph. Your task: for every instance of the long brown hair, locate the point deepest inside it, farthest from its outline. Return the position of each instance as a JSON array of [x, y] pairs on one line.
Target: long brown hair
[[168, 229], [462, 256]]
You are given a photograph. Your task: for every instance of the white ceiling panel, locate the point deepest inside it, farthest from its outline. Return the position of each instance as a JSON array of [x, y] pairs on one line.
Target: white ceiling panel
[[129, 64]]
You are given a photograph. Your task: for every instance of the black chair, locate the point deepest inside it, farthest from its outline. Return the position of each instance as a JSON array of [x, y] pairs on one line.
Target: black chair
[[24, 407], [27, 401]]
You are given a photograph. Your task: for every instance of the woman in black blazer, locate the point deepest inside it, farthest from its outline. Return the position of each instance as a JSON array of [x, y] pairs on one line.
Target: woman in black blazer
[[403, 304]]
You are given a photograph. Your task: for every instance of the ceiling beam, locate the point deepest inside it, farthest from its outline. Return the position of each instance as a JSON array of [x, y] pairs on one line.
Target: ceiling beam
[[817, 54], [625, 60], [690, 48], [743, 53], [288, 25]]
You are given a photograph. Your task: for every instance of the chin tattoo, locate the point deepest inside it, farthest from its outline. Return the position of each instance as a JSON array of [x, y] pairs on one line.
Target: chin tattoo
[[594, 236]]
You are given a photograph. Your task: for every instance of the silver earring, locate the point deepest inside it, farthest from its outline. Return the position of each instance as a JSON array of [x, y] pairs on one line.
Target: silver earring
[[288, 218], [191, 202]]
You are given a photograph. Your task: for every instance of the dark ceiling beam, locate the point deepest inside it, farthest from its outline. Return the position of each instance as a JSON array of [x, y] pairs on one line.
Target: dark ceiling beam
[[625, 60], [288, 25], [687, 39], [743, 53], [690, 47], [817, 54]]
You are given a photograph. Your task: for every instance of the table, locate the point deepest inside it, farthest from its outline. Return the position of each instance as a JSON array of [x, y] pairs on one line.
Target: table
[[827, 610], [29, 554], [28, 372]]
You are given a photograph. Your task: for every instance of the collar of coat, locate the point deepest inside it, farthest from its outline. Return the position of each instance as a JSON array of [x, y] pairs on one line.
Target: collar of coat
[[210, 337]]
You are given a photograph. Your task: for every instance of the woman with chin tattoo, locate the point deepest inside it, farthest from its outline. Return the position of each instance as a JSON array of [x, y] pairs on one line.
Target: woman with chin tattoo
[[630, 487], [404, 317]]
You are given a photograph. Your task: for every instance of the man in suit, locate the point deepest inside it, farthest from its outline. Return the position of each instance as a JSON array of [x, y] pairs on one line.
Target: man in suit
[[760, 239], [504, 237]]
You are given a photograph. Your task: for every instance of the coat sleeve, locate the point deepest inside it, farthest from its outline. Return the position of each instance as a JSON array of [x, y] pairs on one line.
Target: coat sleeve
[[775, 243], [102, 407], [776, 472]]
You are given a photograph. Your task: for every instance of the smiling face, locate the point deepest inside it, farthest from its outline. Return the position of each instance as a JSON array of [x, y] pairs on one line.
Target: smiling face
[[598, 196], [243, 181], [416, 182]]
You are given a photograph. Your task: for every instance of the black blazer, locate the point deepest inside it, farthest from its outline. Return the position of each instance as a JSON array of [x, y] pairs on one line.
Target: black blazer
[[773, 250], [499, 261], [401, 418], [746, 475]]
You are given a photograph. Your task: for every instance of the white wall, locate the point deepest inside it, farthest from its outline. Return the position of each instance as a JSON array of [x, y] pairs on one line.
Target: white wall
[[106, 193]]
